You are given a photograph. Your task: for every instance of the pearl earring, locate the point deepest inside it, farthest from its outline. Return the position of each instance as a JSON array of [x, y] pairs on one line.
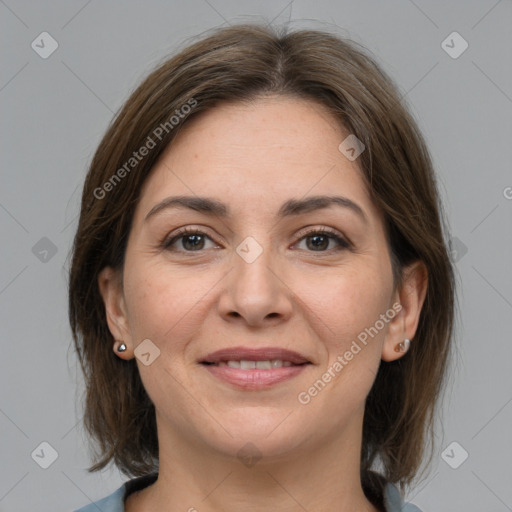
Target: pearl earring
[[121, 347], [403, 346]]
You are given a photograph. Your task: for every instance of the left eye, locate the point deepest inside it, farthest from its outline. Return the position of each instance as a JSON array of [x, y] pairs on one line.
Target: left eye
[[319, 239]]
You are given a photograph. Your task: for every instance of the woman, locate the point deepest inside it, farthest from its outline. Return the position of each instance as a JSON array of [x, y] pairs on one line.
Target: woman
[[260, 294]]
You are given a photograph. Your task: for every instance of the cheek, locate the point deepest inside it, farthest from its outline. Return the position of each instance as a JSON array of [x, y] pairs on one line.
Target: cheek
[[161, 304], [350, 304]]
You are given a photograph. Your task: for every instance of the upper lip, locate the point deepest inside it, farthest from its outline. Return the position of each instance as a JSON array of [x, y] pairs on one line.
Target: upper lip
[[254, 354]]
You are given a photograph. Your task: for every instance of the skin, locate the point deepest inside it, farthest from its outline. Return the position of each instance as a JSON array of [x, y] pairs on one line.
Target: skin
[[253, 157]]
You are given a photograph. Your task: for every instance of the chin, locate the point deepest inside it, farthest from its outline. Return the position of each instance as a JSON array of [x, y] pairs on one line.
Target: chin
[[250, 450], [257, 436]]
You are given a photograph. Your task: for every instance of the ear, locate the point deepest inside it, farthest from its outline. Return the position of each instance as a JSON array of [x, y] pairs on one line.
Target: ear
[[111, 289], [410, 297]]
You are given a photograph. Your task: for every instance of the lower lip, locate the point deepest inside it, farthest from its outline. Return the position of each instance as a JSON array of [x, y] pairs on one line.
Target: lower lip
[[255, 378]]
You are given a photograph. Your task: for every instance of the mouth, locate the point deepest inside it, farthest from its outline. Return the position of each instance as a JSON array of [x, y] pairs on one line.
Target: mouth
[[251, 358], [253, 369], [245, 364]]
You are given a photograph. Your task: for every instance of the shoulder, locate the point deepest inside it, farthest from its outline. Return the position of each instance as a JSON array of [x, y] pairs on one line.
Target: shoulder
[[115, 502], [393, 501], [112, 503]]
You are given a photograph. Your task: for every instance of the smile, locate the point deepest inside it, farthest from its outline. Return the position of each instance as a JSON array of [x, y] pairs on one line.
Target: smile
[[244, 364], [254, 375]]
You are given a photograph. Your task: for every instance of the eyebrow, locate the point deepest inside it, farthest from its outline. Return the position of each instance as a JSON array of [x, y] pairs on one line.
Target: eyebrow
[[290, 208]]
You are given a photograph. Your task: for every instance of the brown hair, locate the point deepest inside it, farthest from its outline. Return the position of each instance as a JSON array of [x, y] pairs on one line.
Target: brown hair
[[236, 64]]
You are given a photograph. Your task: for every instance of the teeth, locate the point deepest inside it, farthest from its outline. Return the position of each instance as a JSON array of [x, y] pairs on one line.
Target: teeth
[[251, 365]]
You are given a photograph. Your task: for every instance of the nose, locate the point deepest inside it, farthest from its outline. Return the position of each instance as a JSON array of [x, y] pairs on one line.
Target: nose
[[256, 292]]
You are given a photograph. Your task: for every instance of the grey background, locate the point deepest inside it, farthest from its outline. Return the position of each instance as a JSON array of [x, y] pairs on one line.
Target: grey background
[[54, 112]]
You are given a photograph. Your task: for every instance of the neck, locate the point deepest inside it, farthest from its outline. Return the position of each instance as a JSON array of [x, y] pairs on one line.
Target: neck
[[198, 479]]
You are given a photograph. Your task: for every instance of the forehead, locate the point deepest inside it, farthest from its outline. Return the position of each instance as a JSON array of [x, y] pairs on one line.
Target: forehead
[[257, 155]]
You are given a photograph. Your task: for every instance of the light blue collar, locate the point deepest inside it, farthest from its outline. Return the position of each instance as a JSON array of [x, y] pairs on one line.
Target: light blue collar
[[393, 502]]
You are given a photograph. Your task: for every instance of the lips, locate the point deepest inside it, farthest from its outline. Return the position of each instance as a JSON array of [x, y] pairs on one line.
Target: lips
[[253, 354], [254, 369]]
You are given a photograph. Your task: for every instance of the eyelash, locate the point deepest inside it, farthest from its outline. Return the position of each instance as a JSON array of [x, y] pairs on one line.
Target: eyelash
[[342, 243]]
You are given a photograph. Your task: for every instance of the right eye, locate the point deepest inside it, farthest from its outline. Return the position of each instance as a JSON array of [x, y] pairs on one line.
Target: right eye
[[192, 240]]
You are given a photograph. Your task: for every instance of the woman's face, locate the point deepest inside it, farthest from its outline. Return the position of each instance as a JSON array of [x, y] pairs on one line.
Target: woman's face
[[258, 275]]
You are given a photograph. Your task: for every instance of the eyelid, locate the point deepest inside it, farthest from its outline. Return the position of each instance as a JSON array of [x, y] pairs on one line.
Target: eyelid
[[342, 240], [170, 239]]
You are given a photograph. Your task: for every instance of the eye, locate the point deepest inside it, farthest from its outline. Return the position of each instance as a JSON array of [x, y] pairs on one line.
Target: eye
[[192, 240], [320, 239]]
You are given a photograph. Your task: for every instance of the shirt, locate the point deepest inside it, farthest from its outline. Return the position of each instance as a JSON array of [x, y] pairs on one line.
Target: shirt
[[115, 502]]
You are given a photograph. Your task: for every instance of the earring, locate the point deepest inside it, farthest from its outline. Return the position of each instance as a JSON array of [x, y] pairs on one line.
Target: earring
[[121, 347], [404, 346]]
